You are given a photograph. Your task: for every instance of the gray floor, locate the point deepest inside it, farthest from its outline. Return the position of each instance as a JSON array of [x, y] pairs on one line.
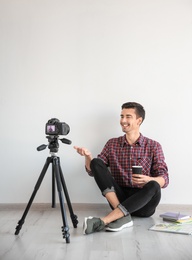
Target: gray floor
[[41, 236]]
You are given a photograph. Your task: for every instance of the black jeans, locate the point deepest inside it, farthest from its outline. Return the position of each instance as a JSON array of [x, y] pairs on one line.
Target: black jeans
[[140, 202]]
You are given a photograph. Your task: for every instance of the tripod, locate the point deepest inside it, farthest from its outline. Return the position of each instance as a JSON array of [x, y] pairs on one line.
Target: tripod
[[58, 178]]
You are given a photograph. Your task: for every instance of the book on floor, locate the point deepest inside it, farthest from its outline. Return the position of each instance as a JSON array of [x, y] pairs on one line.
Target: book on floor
[[177, 228], [179, 221], [174, 216]]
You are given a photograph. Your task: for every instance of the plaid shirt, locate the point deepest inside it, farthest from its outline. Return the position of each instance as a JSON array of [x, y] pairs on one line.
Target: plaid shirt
[[119, 156]]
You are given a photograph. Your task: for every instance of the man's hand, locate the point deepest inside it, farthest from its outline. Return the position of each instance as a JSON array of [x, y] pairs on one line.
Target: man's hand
[[85, 152], [82, 151], [140, 179]]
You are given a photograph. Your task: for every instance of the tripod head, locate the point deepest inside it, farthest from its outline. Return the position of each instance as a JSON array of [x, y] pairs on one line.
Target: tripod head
[[53, 144]]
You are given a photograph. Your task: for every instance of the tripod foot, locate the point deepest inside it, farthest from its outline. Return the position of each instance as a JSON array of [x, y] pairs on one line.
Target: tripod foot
[[19, 226], [66, 235], [74, 220]]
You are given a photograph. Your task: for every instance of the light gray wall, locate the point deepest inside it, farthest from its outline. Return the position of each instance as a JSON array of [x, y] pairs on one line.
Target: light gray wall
[[79, 60]]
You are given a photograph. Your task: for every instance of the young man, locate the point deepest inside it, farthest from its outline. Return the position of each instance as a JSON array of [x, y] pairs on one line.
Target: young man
[[127, 193]]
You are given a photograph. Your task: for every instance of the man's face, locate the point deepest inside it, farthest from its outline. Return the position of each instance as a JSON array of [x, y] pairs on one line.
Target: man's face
[[129, 121]]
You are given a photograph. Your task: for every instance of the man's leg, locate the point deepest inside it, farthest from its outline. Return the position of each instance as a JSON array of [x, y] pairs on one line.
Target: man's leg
[[113, 194], [136, 201], [143, 202], [109, 188], [139, 202]]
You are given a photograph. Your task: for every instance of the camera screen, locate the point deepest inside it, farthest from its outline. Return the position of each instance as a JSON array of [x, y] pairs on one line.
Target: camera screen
[[50, 128]]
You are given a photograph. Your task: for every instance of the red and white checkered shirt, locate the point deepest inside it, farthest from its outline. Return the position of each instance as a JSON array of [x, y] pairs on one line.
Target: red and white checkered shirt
[[119, 156]]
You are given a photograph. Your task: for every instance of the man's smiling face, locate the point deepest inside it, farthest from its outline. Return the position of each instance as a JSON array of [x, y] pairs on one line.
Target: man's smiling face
[[129, 121]]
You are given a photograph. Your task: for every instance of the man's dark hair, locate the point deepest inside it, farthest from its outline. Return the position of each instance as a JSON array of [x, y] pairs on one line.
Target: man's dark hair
[[139, 110]]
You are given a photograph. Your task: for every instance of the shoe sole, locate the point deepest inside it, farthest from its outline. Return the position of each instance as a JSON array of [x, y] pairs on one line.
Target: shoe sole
[[130, 224], [85, 225]]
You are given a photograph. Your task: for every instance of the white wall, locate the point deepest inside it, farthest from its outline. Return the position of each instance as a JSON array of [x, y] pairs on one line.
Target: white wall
[[79, 60]]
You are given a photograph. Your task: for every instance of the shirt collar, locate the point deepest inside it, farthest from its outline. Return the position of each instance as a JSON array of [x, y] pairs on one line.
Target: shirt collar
[[138, 142]]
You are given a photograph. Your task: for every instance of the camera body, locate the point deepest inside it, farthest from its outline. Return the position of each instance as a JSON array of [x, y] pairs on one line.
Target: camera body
[[55, 127]]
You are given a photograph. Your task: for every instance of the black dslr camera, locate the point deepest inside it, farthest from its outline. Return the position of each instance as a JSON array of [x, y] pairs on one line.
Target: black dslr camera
[[55, 127]]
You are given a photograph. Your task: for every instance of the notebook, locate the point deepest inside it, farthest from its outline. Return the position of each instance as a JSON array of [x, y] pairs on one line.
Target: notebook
[[174, 216]]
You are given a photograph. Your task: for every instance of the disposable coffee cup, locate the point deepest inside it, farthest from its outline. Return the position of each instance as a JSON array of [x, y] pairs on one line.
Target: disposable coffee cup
[[137, 169]]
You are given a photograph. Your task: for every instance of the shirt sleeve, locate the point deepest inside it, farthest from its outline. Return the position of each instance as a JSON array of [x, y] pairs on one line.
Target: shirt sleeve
[[104, 155], [89, 172], [159, 167]]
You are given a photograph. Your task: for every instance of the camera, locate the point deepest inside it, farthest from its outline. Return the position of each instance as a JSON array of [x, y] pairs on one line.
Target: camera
[[55, 127]]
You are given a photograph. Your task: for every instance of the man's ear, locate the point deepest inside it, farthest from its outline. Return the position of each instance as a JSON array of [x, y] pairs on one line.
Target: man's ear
[[140, 120]]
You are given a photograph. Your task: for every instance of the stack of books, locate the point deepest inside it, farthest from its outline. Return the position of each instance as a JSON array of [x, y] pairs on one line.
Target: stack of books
[[175, 217], [178, 223]]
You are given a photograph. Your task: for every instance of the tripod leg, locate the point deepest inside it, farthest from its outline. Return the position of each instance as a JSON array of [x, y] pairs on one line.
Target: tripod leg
[[65, 228], [72, 215], [53, 188], [42, 174]]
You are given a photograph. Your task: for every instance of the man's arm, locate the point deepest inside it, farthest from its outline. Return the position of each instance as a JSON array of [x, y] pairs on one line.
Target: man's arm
[[141, 180], [159, 170], [87, 154]]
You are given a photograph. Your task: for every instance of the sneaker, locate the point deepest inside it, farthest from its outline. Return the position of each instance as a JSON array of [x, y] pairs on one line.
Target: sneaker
[[120, 224], [92, 224]]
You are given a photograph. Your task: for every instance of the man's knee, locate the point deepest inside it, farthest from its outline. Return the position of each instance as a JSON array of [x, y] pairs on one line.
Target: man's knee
[[94, 161], [96, 164], [153, 186]]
